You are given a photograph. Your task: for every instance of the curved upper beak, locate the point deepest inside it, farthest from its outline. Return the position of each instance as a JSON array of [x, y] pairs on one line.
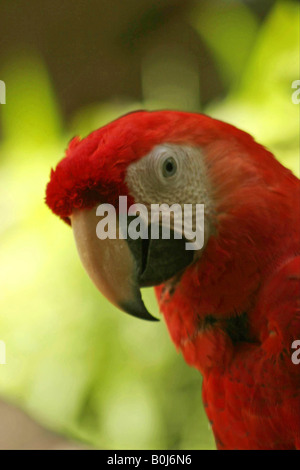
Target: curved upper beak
[[110, 264], [119, 267]]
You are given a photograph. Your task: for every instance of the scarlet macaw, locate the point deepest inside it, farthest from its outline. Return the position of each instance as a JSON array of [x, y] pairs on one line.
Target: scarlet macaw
[[233, 307]]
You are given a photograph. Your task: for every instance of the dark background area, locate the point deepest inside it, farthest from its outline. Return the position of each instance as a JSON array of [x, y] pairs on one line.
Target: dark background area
[[94, 50]]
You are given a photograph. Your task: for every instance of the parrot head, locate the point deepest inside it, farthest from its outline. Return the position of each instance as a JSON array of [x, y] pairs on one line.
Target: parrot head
[[158, 157]]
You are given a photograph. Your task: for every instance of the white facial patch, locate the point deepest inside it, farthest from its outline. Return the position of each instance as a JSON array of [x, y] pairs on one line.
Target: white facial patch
[[172, 174]]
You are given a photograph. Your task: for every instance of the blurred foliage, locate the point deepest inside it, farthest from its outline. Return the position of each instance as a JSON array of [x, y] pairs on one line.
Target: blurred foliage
[[74, 361]]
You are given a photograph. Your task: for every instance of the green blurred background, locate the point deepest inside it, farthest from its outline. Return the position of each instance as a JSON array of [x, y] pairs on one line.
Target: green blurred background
[[74, 362]]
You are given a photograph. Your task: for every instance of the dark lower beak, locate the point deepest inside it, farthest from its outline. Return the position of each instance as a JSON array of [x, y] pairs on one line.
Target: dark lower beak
[[120, 267]]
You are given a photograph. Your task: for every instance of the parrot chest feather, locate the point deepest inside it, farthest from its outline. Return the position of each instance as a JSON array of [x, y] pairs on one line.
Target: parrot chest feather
[[237, 327]]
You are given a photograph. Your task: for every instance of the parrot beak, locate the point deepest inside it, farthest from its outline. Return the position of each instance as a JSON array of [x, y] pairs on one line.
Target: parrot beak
[[110, 264], [120, 267]]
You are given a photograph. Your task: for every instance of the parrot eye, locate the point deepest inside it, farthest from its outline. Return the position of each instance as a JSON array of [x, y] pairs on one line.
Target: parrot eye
[[169, 167]]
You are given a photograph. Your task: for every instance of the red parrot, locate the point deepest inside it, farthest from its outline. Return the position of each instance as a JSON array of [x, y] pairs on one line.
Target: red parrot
[[232, 307]]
